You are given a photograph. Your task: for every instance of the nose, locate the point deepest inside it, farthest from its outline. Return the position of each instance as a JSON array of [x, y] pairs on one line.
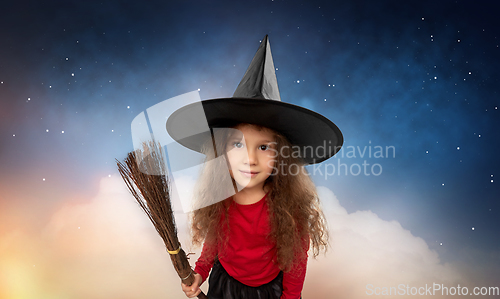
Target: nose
[[252, 157]]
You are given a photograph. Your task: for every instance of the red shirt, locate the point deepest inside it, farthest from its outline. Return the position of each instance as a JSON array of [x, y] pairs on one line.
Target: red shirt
[[250, 256]]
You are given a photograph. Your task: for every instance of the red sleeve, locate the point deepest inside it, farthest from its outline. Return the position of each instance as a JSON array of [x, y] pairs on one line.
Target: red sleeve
[[206, 260], [293, 281]]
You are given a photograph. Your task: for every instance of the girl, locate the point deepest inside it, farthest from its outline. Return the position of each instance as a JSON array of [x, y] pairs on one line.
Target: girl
[[256, 241]]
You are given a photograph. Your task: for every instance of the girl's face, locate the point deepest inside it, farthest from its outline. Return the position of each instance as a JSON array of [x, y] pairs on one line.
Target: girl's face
[[251, 154]]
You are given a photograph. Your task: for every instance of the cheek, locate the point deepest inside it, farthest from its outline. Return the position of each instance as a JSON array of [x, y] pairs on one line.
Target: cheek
[[270, 162], [233, 158]]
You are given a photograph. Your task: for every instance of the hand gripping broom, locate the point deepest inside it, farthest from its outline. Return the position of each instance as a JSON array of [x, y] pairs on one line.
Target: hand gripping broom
[[153, 196]]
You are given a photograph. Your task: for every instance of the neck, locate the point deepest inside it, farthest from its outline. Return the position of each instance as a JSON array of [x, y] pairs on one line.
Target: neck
[[249, 196]]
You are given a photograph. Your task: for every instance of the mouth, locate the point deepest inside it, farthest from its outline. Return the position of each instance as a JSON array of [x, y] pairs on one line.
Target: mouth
[[249, 174]]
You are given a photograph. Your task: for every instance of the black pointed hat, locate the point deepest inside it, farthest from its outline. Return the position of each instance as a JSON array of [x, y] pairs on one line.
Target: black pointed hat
[[257, 101]]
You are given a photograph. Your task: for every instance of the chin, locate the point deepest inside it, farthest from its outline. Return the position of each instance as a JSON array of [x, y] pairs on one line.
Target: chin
[[246, 185]]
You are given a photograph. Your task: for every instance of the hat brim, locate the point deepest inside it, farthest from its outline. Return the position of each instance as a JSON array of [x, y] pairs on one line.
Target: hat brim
[[317, 137]]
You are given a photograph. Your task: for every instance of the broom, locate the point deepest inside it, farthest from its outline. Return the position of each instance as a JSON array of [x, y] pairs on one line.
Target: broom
[[153, 196]]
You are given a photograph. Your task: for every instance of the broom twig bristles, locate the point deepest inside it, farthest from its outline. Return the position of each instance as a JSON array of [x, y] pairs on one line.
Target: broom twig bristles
[[145, 174]]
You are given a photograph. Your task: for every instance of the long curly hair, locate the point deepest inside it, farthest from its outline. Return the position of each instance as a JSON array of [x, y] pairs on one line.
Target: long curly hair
[[297, 221]]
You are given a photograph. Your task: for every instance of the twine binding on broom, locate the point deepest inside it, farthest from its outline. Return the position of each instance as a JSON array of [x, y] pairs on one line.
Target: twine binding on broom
[[188, 275], [175, 251]]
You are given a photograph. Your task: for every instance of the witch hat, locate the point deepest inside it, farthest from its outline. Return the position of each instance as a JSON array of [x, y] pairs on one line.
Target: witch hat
[[257, 101]]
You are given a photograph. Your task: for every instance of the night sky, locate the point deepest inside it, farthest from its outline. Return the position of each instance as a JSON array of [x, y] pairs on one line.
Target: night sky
[[419, 78]]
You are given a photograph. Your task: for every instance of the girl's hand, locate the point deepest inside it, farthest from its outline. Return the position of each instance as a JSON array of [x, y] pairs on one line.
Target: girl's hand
[[194, 289]]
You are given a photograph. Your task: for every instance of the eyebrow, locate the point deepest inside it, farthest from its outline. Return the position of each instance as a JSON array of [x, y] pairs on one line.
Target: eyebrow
[[243, 137], [235, 138]]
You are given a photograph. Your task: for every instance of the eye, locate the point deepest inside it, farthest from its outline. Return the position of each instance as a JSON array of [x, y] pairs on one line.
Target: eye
[[264, 147], [238, 144]]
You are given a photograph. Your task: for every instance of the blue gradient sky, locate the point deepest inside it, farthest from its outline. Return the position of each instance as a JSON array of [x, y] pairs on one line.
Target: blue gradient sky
[[421, 76]]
